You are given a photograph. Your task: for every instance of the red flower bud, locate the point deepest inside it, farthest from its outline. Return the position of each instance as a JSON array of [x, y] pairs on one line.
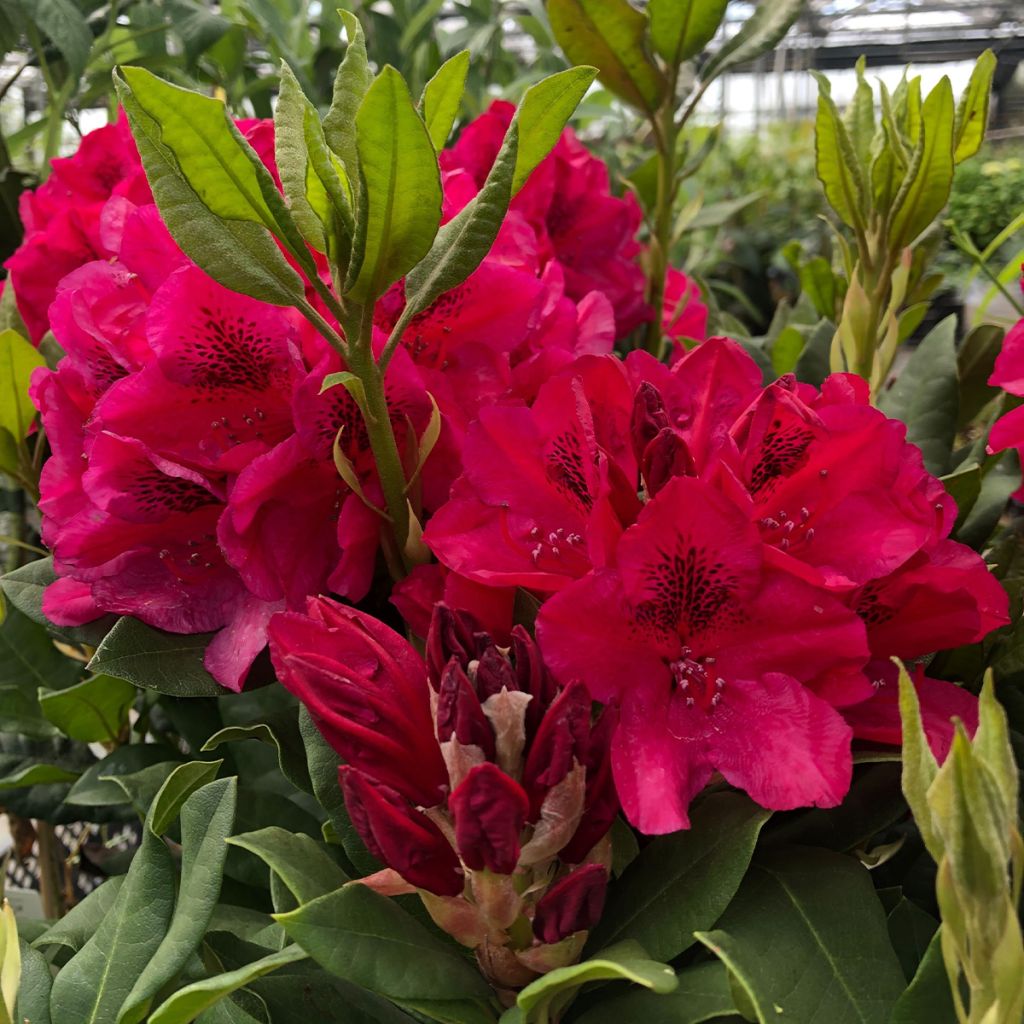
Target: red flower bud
[[572, 904], [490, 810], [452, 634], [648, 418], [533, 677], [602, 800], [404, 838], [459, 713], [494, 673], [563, 737], [665, 457]]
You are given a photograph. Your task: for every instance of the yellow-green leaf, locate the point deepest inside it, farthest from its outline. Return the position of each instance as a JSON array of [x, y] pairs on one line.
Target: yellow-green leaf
[[680, 29], [18, 358], [972, 111], [838, 166], [442, 97]]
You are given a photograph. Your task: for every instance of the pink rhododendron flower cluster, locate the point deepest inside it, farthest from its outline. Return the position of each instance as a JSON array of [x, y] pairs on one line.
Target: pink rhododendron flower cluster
[[192, 483], [470, 774]]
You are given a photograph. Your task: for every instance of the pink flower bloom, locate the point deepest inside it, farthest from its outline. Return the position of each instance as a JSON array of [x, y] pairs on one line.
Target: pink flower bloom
[[713, 657], [684, 317], [1008, 374]]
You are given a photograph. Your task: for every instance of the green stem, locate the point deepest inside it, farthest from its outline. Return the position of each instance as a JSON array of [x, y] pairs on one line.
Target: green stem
[[379, 429], [665, 134], [57, 100]]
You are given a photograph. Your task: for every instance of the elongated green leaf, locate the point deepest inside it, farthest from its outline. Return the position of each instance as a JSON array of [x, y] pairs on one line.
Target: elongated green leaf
[[806, 940], [81, 922], [926, 396], [96, 789], [626, 961], [280, 731], [761, 32], [702, 994], [176, 790], [18, 358], [168, 662], [400, 205], [860, 117], [610, 35], [972, 110], [680, 29], [350, 87], [141, 787], [839, 169], [302, 864], [682, 882], [206, 819], [369, 940], [190, 1001], [95, 982], [239, 254], [930, 176], [543, 113], [911, 930], [34, 991], [66, 26], [94, 710], [975, 361], [442, 97], [36, 775]]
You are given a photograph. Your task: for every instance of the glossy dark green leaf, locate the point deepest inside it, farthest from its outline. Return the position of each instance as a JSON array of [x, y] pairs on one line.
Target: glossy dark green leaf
[[929, 179], [400, 202], [911, 929], [186, 1003], [240, 254], [442, 97], [94, 710], [611, 35], [206, 820], [302, 864], [703, 993], [279, 731], [761, 32], [141, 787], [680, 29], [928, 997], [926, 396], [66, 26], [94, 790], [178, 787], [1001, 481], [976, 358], [170, 663], [625, 961], [682, 882], [805, 940], [370, 941], [36, 775]]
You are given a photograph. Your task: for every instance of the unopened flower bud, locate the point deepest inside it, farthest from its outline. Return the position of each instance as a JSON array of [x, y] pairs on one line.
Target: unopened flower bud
[[490, 810], [572, 904], [648, 419]]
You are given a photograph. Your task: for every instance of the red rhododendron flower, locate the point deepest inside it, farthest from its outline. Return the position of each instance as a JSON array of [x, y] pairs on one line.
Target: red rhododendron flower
[[470, 775], [684, 317], [713, 657], [1008, 374]]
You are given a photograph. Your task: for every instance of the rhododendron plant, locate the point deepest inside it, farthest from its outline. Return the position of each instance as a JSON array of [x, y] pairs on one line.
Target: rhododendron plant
[[546, 634]]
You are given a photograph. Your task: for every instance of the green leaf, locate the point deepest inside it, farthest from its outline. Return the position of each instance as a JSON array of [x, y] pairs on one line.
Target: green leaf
[[926, 396], [66, 26], [206, 819], [975, 360], [188, 1002], [442, 97], [929, 178], [95, 982], [18, 358], [911, 929], [837, 164], [682, 882], [350, 87], [805, 939], [972, 110], [860, 117], [703, 994], [80, 923], [625, 961], [170, 663], [280, 731], [400, 203], [239, 254], [141, 787], [813, 365], [680, 29], [610, 35], [927, 997], [998, 484], [34, 991], [761, 32], [95, 788], [786, 350], [176, 790], [94, 710], [301, 863], [543, 113], [36, 775], [369, 940]]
